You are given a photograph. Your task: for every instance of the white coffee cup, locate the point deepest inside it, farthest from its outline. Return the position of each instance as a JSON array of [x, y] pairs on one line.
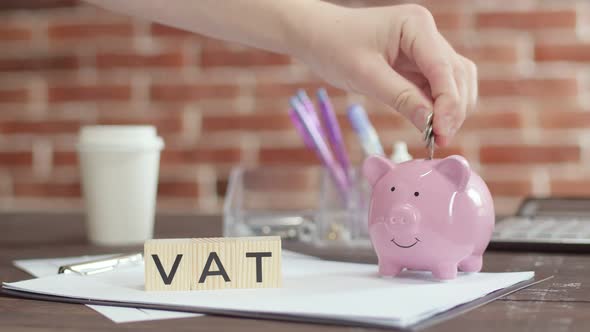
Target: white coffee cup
[[119, 166]]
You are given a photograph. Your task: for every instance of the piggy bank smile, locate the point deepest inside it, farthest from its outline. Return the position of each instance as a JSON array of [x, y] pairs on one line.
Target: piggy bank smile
[[416, 240]]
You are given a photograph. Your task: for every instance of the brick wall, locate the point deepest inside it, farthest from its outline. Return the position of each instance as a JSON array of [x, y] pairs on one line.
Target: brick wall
[[64, 64]]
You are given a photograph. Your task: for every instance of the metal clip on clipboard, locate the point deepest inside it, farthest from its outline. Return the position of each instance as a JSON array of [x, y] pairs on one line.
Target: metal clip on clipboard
[[101, 265]]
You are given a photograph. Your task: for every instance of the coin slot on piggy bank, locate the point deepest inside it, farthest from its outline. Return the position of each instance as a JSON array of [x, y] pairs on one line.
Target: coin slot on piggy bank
[[433, 215]]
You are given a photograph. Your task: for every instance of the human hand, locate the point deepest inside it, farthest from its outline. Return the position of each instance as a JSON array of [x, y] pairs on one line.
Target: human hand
[[394, 54]]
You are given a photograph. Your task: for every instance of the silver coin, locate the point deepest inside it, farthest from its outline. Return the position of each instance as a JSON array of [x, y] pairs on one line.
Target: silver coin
[[429, 135], [428, 130]]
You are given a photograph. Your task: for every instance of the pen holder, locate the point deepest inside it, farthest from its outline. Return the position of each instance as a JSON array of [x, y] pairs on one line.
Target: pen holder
[[297, 203], [343, 219]]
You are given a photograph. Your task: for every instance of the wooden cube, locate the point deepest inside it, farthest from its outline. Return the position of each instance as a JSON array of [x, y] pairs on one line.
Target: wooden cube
[[213, 263], [169, 264]]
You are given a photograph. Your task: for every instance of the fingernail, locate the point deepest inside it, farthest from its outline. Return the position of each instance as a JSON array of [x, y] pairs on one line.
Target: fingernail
[[419, 118]]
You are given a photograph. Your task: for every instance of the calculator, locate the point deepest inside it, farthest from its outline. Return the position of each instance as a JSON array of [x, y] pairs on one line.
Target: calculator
[[546, 224]]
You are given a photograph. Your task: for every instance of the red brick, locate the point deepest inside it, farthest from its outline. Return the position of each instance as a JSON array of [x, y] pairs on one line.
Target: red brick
[[510, 187], [168, 31], [65, 158], [46, 189], [164, 125], [550, 87], [563, 120], [184, 189], [89, 93], [164, 31], [117, 60], [526, 20], [450, 20], [12, 32], [276, 90], [421, 151], [39, 63], [241, 58], [247, 122], [89, 30], [221, 187], [381, 121], [201, 155], [14, 96], [186, 92], [505, 54], [290, 156], [562, 52], [527, 154], [36, 4], [44, 127], [284, 178], [572, 188], [493, 120], [15, 158]]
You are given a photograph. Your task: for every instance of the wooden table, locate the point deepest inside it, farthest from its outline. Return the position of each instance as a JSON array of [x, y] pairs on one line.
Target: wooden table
[[559, 304]]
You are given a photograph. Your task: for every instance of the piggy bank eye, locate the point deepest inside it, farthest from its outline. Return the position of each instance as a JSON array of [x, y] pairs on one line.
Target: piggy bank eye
[[392, 188], [416, 194]]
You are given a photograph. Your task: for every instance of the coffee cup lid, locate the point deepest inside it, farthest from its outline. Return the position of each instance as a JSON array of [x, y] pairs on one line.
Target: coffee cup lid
[[119, 137]]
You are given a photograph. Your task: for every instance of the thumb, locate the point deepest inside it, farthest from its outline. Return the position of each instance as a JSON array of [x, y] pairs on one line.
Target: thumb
[[394, 90]]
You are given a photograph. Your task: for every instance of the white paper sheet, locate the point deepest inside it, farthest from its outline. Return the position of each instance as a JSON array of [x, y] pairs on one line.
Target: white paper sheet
[[311, 288], [48, 266]]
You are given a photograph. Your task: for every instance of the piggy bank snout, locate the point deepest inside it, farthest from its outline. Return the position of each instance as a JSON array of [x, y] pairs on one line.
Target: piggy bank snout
[[405, 217]]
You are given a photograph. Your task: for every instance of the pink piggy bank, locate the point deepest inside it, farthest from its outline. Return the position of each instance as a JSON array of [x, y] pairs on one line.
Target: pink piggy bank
[[434, 215]]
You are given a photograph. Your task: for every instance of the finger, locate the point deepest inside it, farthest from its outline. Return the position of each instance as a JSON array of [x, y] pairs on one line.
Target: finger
[[385, 84], [422, 43], [420, 81], [462, 86], [445, 93], [460, 79], [426, 89], [471, 81]]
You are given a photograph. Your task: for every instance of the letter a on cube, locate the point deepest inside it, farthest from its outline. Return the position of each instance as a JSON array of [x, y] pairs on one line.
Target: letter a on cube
[[240, 262]]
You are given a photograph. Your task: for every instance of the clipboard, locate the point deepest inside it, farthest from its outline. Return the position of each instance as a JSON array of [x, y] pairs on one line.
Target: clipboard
[[341, 321], [450, 314], [97, 266]]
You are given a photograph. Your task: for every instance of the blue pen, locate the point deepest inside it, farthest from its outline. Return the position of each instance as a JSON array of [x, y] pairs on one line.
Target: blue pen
[[364, 130], [333, 130]]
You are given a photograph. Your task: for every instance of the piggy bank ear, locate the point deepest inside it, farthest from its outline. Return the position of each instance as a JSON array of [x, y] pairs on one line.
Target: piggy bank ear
[[375, 167], [456, 169]]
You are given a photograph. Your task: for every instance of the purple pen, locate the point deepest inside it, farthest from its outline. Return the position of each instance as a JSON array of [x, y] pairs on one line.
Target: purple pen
[[333, 130], [299, 127], [308, 105], [321, 148]]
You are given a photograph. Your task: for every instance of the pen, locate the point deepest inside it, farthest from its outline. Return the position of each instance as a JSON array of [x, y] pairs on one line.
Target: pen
[[364, 130], [333, 130], [321, 148], [299, 127], [308, 106]]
